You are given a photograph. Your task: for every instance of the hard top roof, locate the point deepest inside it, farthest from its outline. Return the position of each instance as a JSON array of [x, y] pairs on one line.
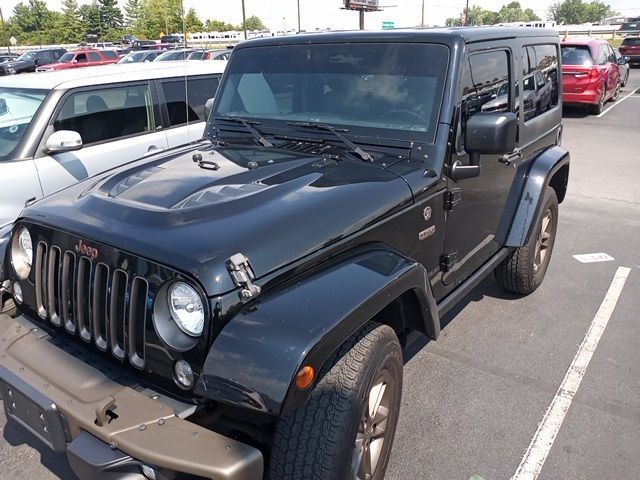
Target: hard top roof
[[104, 75], [410, 35]]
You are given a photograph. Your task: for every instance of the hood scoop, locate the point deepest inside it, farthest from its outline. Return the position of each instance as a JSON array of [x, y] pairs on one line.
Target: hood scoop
[[218, 194], [133, 180]]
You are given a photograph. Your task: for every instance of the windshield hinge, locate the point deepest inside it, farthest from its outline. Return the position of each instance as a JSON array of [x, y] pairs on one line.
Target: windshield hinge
[[242, 274], [453, 198], [448, 260]]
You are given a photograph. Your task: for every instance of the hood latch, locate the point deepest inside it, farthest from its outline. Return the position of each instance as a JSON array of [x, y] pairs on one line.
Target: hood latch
[[242, 274]]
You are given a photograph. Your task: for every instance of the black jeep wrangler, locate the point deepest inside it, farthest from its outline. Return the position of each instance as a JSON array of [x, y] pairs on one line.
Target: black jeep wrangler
[[236, 309]]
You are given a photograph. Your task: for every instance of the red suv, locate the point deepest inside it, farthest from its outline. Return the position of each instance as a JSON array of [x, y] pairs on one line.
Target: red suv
[[82, 58], [630, 47], [590, 73]]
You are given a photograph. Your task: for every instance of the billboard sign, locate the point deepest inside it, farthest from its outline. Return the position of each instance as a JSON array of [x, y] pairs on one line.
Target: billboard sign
[[361, 4]]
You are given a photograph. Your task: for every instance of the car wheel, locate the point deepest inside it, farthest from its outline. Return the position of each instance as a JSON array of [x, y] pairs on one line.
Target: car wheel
[[626, 79], [616, 93], [345, 428], [524, 269], [598, 107]]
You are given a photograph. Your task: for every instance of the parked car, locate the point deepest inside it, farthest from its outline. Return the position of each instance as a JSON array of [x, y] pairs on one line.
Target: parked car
[[249, 294], [144, 45], [210, 55], [59, 128], [171, 39], [128, 39], [630, 47], [175, 55], [29, 61], [590, 73], [624, 67], [141, 56], [7, 57], [82, 58], [104, 46]]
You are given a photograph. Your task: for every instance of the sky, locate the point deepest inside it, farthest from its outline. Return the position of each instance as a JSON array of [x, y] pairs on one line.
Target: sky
[[277, 14]]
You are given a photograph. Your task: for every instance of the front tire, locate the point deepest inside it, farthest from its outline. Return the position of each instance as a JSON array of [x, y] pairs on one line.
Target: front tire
[[524, 269], [345, 429]]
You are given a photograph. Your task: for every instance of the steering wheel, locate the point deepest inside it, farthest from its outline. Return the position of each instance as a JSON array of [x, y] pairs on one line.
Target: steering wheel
[[407, 113]]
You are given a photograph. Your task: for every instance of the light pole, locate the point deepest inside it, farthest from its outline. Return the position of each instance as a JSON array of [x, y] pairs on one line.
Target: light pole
[[244, 20], [298, 16], [422, 21], [466, 14]]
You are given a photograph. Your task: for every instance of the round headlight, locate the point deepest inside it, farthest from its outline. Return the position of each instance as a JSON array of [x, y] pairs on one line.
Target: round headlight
[[22, 253], [186, 308]]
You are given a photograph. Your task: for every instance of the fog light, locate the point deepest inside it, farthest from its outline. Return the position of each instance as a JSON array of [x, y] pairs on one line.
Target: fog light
[[17, 292], [184, 374]]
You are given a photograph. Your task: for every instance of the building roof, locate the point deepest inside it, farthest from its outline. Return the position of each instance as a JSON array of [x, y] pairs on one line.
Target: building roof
[[101, 75]]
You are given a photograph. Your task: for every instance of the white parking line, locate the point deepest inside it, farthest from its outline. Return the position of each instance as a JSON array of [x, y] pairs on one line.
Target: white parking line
[[616, 104], [543, 439]]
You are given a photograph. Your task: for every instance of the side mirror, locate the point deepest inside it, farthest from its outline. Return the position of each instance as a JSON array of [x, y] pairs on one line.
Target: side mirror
[[490, 133], [627, 59], [623, 60], [208, 107], [63, 141]]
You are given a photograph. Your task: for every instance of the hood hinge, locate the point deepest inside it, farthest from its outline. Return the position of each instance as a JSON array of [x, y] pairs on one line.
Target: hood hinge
[[242, 274], [453, 198], [448, 260]]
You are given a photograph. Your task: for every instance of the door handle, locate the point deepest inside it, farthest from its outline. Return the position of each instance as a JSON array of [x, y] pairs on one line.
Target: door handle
[[509, 158], [153, 150]]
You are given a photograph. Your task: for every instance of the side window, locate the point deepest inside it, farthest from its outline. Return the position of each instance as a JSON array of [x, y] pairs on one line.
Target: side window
[[186, 99], [44, 57], [540, 77], [94, 57], [110, 54], [81, 58], [485, 86], [106, 114]]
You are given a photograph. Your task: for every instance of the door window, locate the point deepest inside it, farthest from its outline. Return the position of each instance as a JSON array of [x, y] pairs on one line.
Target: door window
[[81, 58], [94, 57], [110, 55], [105, 114], [540, 77], [186, 99], [486, 86]]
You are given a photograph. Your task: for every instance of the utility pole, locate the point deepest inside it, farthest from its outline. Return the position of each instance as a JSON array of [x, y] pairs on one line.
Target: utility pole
[[299, 29], [362, 19], [466, 14], [422, 22], [4, 31], [244, 20]]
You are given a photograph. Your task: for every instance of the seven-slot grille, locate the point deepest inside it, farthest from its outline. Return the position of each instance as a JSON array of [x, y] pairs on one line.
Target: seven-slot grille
[[103, 305]]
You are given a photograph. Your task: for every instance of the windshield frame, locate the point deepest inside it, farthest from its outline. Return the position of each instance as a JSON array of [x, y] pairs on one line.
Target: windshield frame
[[17, 152], [374, 134]]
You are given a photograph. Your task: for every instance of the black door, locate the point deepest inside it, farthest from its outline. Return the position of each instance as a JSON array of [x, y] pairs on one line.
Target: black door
[[472, 223]]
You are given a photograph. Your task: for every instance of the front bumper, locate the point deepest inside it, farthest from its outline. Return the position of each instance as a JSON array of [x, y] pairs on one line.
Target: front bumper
[[108, 429]]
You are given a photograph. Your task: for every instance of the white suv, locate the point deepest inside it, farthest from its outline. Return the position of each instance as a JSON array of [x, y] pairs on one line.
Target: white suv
[[61, 127]]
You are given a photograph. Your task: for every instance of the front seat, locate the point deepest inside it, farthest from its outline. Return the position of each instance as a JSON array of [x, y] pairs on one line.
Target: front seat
[[95, 125]]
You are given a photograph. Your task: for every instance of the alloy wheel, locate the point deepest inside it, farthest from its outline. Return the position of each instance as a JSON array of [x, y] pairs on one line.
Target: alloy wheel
[[543, 241]]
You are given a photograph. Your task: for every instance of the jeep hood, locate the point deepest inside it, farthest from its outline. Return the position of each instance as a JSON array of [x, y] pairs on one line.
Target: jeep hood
[[273, 206]]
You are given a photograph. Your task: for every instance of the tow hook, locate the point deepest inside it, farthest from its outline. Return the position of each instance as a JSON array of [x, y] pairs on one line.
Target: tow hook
[[5, 293]]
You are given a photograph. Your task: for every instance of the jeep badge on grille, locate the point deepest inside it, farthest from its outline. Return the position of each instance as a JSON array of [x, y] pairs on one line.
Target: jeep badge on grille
[[86, 250]]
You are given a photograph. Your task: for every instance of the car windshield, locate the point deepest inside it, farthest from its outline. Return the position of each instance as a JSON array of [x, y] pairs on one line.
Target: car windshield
[[133, 58], [395, 87], [576, 55], [67, 58], [27, 56], [631, 42], [17, 108], [172, 56]]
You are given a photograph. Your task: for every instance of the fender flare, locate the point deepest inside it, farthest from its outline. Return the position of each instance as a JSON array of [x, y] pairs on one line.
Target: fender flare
[[549, 168], [254, 360]]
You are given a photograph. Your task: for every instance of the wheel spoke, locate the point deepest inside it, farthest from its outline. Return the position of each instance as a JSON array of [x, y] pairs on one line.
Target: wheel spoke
[[375, 397], [375, 449], [365, 472]]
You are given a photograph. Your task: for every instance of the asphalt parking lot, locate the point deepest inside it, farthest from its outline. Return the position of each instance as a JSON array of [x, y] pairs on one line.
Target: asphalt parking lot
[[473, 401]]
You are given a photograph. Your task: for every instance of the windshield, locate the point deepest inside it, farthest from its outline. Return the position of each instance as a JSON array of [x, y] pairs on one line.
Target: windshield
[[17, 108], [392, 86], [133, 57], [172, 56], [576, 55], [67, 58], [27, 56], [631, 42]]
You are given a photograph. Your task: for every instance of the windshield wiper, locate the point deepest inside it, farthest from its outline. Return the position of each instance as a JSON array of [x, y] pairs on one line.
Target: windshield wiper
[[247, 124], [353, 148]]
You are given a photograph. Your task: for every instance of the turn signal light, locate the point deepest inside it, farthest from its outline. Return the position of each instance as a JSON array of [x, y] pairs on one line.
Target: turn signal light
[[305, 377]]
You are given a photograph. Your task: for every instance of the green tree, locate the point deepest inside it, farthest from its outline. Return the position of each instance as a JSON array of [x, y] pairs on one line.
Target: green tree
[[512, 12], [192, 22], [254, 23], [576, 12], [133, 17], [219, 26], [530, 15], [453, 22], [91, 21], [161, 16], [71, 26], [111, 19]]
